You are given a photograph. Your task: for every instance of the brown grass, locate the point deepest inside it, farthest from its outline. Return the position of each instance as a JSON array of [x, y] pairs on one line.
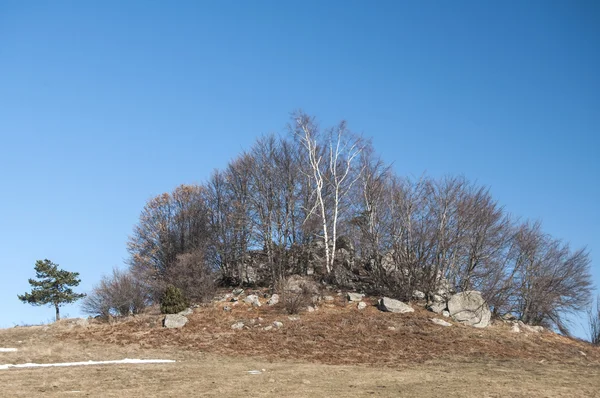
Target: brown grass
[[336, 351]]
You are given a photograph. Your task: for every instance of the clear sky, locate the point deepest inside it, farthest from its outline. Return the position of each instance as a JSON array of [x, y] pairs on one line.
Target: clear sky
[[104, 104]]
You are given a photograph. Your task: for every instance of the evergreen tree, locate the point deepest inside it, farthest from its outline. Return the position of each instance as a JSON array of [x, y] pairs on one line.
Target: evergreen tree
[[52, 287]]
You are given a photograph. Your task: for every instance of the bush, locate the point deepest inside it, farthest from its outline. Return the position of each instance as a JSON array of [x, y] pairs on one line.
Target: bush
[[172, 301], [120, 294], [192, 275], [296, 293]]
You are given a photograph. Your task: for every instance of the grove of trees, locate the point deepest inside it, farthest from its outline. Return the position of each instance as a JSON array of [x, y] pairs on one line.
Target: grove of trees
[[321, 202]]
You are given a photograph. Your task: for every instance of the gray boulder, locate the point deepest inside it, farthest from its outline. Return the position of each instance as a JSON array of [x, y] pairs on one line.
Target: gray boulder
[[438, 308], [390, 305], [470, 308], [273, 300], [252, 300], [174, 321], [355, 296]]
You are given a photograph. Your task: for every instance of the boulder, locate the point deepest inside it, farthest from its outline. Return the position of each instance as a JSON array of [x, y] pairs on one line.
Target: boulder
[[469, 308], [362, 305], [438, 308], [418, 295], [174, 321], [355, 296], [515, 328], [440, 322], [252, 300], [299, 284], [390, 305], [310, 308], [328, 299], [273, 300]]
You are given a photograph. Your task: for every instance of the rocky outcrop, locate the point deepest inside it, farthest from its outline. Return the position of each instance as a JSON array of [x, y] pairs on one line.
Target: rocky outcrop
[[469, 308], [390, 305]]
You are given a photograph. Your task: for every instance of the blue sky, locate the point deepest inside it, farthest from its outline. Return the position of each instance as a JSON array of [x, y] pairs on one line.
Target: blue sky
[[104, 104]]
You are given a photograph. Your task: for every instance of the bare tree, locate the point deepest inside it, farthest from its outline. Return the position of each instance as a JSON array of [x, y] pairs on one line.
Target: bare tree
[[593, 313], [332, 164]]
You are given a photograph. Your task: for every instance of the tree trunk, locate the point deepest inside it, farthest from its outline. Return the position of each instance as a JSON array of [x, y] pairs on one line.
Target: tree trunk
[[57, 312]]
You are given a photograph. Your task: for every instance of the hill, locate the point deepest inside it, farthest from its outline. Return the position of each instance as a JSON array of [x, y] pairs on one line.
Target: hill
[[336, 350]]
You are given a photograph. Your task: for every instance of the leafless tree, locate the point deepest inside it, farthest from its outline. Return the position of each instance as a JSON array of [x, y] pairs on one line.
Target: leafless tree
[[593, 313]]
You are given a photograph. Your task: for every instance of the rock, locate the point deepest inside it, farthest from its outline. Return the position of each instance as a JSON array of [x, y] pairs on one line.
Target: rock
[[186, 312], [355, 296], [277, 324], [515, 328], [294, 318], [174, 321], [440, 322], [310, 308], [418, 295], [470, 308], [238, 325], [530, 328], [438, 308], [446, 313], [328, 299], [252, 300], [260, 320], [362, 305], [391, 328], [226, 308], [390, 305], [298, 284], [238, 291], [438, 299], [273, 300], [268, 327]]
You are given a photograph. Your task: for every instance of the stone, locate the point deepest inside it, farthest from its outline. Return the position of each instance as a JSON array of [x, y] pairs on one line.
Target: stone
[[530, 328], [226, 308], [391, 328], [390, 305], [438, 308], [440, 322], [294, 318], [418, 295], [310, 308], [362, 305], [299, 284], [277, 324], [438, 299], [509, 317], [515, 328], [252, 300], [174, 321], [470, 308], [328, 299], [238, 326], [355, 296], [186, 312], [238, 291], [273, 300], [268, 327], [446, 313]]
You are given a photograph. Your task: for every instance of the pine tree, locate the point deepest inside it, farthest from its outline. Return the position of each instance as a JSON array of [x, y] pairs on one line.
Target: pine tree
[[52, 287]]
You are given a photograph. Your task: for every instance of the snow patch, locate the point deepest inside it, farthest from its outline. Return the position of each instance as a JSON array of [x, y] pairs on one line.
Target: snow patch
[[8, 350], [88, 363]]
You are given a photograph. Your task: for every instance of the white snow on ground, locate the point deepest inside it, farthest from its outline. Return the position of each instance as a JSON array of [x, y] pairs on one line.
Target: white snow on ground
[[88, 363], [8, 349]]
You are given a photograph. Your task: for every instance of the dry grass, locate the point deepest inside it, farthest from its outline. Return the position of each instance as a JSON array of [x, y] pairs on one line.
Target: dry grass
[[336, 351]]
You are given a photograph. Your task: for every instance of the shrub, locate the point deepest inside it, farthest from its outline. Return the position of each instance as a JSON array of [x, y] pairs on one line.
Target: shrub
[[296, 293], [594, 322], [120, 294], [172, 301]]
